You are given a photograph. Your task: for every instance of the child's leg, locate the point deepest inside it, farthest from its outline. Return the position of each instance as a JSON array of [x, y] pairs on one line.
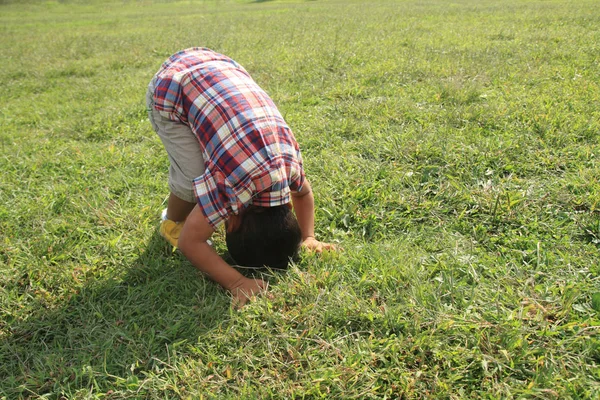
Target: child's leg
[[186, 164], [185, 156], [178, 209]]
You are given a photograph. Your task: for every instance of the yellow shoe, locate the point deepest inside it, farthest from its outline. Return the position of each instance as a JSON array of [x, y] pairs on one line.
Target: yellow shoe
[[170, 230]]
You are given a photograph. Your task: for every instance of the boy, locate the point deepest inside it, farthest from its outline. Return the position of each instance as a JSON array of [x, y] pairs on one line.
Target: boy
[[233, 160]]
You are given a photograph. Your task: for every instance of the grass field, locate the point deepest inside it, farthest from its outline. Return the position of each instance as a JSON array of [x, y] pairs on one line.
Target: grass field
[[454, 152]]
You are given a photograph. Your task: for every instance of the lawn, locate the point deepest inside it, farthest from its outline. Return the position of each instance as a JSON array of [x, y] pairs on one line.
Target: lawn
[[454, 152]]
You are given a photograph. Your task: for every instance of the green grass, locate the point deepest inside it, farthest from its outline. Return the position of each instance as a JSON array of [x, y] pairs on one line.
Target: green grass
[[454, 152]]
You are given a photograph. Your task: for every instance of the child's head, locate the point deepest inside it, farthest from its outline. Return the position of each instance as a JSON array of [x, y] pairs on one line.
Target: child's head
[[264, 236]]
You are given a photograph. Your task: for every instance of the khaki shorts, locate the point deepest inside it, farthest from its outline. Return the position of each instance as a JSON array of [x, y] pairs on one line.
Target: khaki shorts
[[183, 149]]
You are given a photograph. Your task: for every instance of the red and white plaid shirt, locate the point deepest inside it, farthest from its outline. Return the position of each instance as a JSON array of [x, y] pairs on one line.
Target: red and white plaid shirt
[[250, 154]]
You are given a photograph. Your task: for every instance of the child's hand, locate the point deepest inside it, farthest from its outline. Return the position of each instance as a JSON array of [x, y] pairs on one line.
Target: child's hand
[[245, 288], [312, 244]]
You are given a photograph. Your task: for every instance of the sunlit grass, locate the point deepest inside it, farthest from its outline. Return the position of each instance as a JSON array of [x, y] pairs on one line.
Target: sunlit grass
[[453, 150]]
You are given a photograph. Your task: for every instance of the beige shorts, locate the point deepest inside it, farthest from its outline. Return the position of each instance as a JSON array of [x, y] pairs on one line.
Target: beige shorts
[[183, 149]]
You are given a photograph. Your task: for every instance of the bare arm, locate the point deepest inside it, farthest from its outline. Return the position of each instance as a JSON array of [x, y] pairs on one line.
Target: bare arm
[[192, 243], [304, 207]]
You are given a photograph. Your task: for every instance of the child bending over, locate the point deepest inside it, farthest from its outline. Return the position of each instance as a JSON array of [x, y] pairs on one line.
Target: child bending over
[[233, 160]]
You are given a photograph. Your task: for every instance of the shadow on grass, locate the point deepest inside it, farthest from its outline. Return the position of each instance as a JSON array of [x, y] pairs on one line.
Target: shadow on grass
[[114, 330]]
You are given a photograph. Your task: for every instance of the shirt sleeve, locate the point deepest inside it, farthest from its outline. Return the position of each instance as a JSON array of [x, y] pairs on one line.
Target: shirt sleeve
[[215, 197], [297, 175]]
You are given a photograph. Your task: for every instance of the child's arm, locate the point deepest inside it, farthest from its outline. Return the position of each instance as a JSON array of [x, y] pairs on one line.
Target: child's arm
[[192, 243], [304, 207]]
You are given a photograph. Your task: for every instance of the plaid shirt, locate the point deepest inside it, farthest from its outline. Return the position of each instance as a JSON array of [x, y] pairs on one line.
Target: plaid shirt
[[250, 154]]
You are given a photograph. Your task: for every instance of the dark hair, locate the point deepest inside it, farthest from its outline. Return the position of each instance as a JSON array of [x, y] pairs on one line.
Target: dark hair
[[265, 236]]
